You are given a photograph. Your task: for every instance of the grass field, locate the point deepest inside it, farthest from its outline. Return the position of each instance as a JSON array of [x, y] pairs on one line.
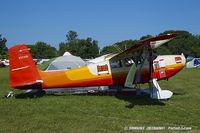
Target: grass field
[[70, 113]]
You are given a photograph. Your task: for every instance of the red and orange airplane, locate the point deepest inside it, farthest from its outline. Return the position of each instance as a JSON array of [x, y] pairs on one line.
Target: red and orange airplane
[[133, 66]]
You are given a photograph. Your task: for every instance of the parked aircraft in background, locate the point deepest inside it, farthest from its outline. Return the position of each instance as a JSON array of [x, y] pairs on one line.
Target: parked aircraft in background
[[4, 63], [129, 68], [195, 62]]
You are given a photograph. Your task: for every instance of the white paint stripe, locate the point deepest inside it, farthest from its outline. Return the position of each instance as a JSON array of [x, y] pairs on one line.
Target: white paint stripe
[[21, 50], [158, 43], [20, 68], [103, 72], [39, 81]]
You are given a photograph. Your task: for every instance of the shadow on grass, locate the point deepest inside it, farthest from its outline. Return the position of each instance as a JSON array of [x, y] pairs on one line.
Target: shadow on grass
[[38, 95], [140, 100], [179, 93], [29, 95]]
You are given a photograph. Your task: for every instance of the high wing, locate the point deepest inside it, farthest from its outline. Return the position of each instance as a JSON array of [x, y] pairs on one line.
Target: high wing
[[150, 43], [139, 56]]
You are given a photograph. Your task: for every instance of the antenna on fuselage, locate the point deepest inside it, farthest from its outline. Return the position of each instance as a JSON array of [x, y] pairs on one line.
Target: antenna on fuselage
[[118, 48]]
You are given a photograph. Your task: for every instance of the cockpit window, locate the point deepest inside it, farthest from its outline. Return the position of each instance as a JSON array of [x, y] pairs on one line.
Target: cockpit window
[[116, 64]]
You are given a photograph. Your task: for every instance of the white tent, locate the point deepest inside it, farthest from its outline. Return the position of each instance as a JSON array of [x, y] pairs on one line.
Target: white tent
[[66, 62]]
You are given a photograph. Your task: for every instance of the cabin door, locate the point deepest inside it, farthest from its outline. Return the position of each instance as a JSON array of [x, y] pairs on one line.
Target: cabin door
[[162, 65]]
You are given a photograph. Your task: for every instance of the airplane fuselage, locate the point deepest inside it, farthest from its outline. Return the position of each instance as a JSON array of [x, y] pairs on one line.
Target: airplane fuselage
[[106, 74], [133, 66]]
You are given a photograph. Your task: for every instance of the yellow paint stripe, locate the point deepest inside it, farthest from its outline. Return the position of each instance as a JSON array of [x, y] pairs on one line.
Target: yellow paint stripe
[[79, 74]]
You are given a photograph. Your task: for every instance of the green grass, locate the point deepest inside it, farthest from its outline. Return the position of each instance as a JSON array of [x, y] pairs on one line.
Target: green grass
[[44, 65], [70, 113]]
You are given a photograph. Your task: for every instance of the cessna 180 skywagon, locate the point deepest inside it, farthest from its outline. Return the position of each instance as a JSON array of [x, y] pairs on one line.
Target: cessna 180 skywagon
[[133, 66]]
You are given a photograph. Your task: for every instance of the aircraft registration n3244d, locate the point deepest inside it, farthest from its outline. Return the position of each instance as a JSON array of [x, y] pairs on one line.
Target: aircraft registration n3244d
[[133, 66]]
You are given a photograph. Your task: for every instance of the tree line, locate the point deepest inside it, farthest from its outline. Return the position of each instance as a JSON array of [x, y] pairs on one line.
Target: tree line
[[185, 43], [3, 48], [85, 48]]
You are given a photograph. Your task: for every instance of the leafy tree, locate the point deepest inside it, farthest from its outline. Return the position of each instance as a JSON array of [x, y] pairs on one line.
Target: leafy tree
[[62, 48], [145, 37], [3, 48], [71, 36], [108, 49], [41, 50], [123, 45], [85, 48]]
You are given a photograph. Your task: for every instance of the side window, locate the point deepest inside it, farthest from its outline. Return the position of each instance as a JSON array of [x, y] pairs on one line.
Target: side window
[[156, 64], [162, 63], [116, 64]]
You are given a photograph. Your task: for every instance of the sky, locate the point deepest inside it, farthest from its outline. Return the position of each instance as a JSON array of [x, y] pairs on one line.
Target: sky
[[107, 21]]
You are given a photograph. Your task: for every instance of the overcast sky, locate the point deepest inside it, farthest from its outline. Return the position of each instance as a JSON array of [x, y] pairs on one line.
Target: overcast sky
[[108, 21]]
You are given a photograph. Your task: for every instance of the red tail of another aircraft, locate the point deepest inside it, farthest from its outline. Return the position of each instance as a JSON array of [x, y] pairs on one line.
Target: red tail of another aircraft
[[23, 71]]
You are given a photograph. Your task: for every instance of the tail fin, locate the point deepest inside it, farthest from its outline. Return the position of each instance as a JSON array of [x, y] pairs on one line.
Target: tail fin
[[23, 71]]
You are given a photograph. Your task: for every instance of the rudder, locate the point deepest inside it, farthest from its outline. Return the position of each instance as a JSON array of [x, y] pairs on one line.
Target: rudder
[[23, 71]]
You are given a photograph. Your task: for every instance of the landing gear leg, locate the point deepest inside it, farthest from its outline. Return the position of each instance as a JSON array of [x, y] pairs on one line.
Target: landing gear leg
[[157, 93], [9, 94]]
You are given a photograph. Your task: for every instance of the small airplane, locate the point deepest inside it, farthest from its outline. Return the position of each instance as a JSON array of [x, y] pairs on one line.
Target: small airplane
[[134, 66]]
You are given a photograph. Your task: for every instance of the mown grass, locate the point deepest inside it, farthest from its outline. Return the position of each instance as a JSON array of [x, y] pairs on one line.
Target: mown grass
[[72, 113]]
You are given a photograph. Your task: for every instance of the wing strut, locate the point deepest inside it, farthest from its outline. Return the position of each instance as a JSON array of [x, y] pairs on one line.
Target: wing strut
[[130, 76]]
